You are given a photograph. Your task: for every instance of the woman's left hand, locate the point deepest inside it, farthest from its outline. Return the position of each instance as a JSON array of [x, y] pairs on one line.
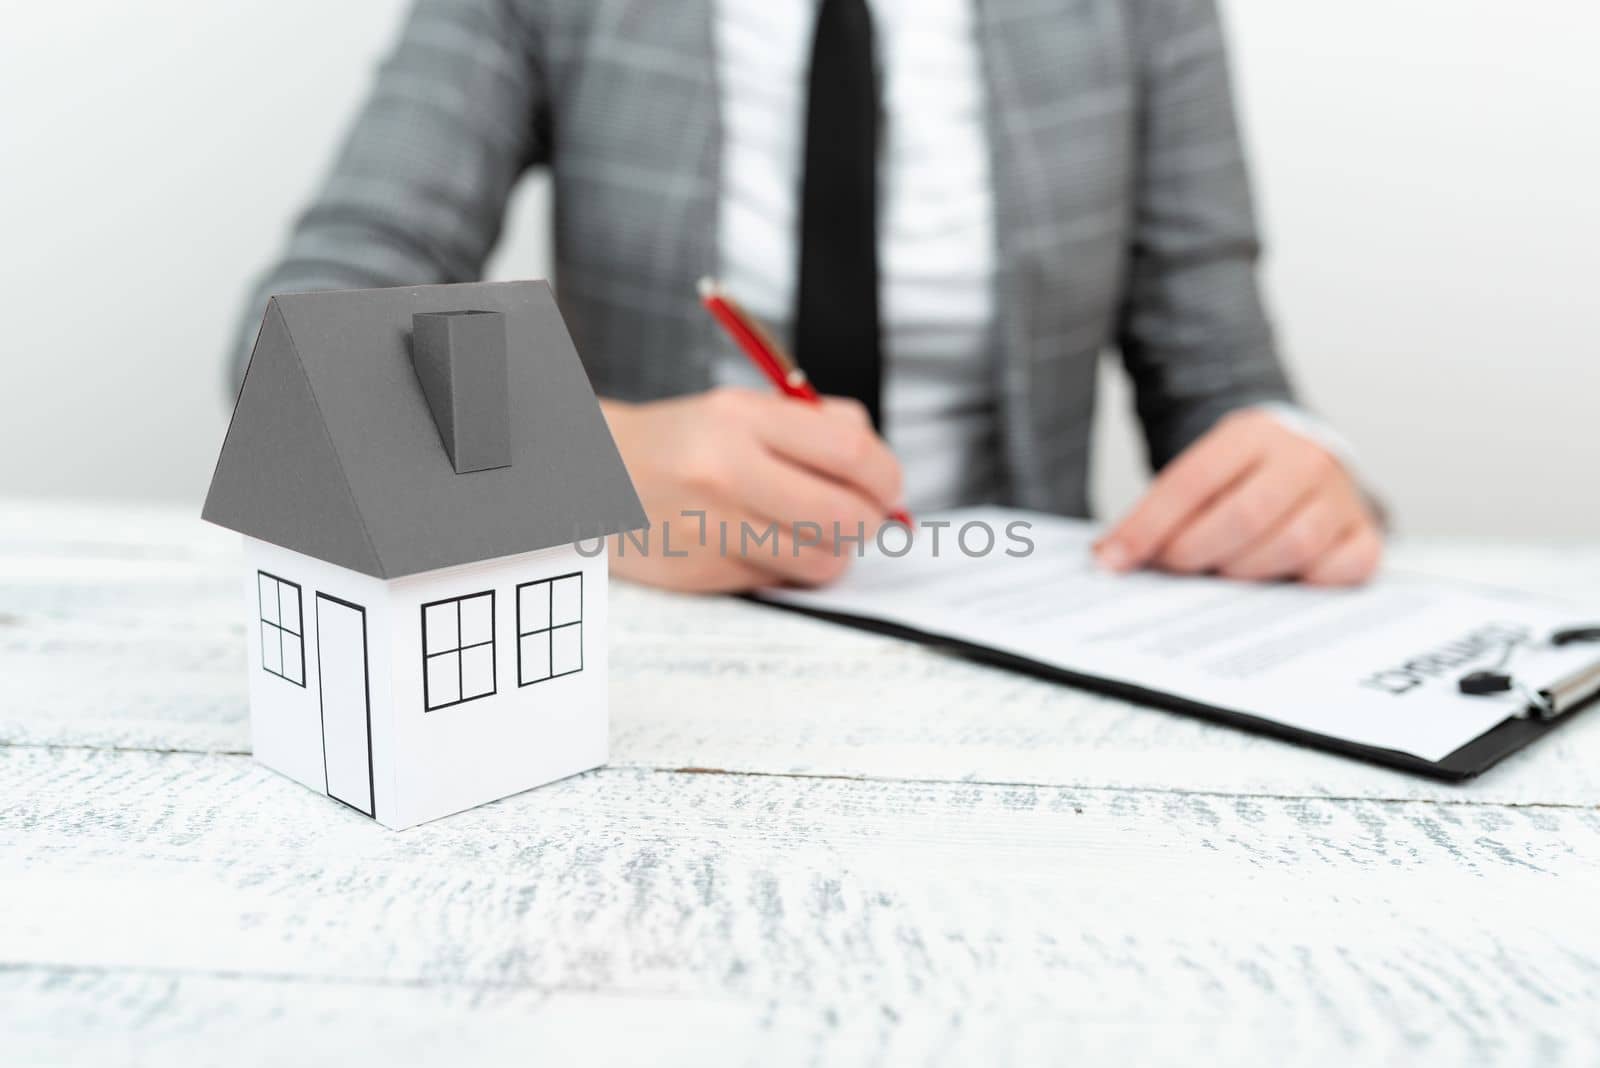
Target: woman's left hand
[[1251, 499]]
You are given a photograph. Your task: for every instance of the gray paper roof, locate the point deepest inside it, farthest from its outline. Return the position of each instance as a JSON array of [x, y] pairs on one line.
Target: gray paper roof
[[333, 451]]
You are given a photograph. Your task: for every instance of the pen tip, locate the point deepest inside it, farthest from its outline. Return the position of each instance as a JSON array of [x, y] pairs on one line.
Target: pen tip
[[707, 286]]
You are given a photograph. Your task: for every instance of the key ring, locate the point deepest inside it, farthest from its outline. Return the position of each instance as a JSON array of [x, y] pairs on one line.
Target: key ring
[[1495, 679]]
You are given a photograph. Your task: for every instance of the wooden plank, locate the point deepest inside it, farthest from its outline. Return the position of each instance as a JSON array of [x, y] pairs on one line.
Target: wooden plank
[[122, 630], [148, 657], [73, 1016], [97, 529], [1236, 925]]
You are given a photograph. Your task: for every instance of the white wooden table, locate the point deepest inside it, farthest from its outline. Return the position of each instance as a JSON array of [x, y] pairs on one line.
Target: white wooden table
[[813, 846]]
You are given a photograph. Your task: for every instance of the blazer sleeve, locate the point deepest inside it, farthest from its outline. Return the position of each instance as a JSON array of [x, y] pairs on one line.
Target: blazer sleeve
[[1192, 330], [417, 191]]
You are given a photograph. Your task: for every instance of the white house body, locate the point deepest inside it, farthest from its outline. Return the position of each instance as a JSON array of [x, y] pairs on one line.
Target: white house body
[[508, 693]]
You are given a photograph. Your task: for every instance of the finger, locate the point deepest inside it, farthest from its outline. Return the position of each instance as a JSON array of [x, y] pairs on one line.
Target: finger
[[1302, 537], [848, 408], [1185, 485], [1353, 559], [776, 490], [783, 554], [835, 439], [1243, 513], [699, 572]]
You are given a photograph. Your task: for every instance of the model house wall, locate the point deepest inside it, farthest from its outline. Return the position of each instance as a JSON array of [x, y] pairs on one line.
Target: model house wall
[[474, 682], [285, 591], [457, 746]]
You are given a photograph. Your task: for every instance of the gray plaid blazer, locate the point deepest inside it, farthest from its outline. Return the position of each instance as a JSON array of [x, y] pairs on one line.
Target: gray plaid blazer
[[1123, 214]]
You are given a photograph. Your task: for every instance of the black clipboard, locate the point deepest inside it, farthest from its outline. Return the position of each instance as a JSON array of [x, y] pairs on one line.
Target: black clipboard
[[1467, 762]]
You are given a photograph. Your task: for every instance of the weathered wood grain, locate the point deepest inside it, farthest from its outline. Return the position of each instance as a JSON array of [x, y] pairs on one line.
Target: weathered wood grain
[[1388, 927], [72, 1017], [899, 857], [75, 1016], [125, 632]]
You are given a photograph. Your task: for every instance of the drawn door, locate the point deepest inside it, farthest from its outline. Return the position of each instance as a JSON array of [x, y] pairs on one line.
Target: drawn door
[[346, 704]]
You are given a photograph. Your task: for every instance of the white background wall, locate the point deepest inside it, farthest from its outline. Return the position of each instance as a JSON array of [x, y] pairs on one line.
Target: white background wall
[[1426, 171]]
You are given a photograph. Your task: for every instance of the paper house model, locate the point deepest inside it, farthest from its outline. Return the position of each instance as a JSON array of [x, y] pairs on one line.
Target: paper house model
[[423, 478]]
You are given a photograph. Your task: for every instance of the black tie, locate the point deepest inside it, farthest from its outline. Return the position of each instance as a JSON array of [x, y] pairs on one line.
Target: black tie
[[836, 314]]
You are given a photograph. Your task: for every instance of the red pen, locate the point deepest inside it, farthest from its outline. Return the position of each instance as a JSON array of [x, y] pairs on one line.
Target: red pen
[[766, 353]]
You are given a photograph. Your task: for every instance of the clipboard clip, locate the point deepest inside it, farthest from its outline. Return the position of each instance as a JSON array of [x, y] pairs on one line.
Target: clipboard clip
[[1565, 694]]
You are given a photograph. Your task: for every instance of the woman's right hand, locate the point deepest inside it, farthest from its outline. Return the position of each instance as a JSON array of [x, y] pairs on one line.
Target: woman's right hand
[[752, 462]]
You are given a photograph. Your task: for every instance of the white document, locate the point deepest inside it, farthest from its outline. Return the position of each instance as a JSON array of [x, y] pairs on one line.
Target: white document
[[1377, 666]]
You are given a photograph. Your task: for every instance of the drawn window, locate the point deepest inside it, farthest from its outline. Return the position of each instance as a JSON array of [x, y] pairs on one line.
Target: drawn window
[[458, 659], [549, 628], [283, 650]]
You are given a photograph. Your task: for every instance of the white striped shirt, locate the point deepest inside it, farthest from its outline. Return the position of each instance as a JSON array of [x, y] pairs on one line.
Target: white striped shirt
[[935, 227]]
